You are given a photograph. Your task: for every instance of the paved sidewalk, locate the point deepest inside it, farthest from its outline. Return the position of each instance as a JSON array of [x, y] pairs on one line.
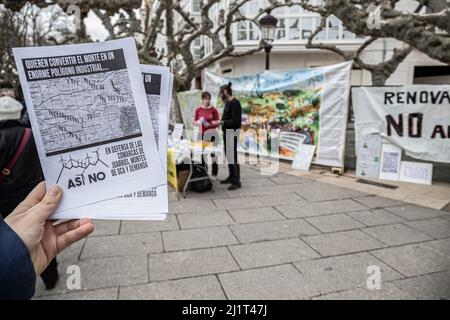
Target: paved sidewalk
[[279, 237]]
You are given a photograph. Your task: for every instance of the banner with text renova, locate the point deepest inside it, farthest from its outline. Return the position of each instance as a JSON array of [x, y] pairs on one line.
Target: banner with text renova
[[415, 118]]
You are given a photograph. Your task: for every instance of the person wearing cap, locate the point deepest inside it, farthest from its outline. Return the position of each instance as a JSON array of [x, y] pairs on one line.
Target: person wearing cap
[[20, 169]]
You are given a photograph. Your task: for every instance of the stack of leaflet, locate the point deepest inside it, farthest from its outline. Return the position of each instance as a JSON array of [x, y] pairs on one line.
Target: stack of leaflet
[[100, 122]]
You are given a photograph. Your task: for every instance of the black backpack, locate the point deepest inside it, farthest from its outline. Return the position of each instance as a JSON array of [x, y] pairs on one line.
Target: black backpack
[[199, 171]]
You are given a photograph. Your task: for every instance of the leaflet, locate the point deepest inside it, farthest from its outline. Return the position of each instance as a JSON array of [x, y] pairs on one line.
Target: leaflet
[[90, 120], [148, 204]]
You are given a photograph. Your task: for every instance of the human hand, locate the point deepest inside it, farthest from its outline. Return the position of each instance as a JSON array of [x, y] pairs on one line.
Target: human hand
[[43, 239], [215, 122]]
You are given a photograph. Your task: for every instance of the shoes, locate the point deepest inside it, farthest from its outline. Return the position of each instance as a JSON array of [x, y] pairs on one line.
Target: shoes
[[235, 186], [226, 181]]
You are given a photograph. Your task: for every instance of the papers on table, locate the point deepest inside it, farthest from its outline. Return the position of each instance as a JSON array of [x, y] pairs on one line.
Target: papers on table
[[100, 127]]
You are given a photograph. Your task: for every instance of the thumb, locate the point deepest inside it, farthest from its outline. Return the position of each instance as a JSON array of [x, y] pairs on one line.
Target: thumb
[[48, 204]]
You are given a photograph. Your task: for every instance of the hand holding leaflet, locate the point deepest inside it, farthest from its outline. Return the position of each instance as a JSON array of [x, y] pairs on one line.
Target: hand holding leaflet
[[90, 120]]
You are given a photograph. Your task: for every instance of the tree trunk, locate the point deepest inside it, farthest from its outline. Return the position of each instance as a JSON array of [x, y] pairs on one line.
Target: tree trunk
[[378, 78]]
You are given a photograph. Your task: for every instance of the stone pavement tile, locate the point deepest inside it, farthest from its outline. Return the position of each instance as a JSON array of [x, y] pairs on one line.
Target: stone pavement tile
[[256, 214], [72, 252], [105, 227], [375, 217], [334, 222], [260, 231], [413, 212], [343, 272], [375, 202], [183, 264], [396, 234], [263, 190], [414, 259], [238, 203], [100, 294], [356, 193], [191, 206], [60, 287], [280, 282], [434, 286], [342, 242], [198, 238], [122, 245], [113, 272], [262, 254], [436, 228], [280, 199], [129, 226], [442, 246], [206, 219], [305, 209], [388, 291], [198, 288]]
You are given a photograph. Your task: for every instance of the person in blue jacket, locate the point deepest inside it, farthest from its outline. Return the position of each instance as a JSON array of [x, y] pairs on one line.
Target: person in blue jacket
[[28, 241]]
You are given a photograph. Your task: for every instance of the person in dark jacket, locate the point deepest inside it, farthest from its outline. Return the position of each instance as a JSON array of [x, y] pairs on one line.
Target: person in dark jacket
[[17, 180], [28, 241], [231, 127]]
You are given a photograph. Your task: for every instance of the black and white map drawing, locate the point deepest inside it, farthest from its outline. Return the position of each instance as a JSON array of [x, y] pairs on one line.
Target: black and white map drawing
[[84, 111], [152, 84]]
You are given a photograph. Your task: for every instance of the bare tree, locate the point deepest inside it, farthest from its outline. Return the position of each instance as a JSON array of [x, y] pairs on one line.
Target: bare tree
[[427, 32]]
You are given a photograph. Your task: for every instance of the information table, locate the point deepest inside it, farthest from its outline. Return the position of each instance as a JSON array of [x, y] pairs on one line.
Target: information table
[[191, 153]]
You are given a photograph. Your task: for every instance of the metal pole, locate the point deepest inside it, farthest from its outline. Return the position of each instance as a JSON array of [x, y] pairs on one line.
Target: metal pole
[[267, 49]]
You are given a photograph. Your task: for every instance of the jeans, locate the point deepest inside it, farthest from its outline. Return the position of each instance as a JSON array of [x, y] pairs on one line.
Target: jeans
[[232, 157]]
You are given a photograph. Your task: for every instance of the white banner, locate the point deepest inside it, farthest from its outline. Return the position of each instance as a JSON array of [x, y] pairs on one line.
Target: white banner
[[414, 118], [308, 106]]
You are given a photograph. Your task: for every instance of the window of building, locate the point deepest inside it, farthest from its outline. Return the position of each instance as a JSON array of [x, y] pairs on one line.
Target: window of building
[[333, 24], [242, 33], [308, 26]]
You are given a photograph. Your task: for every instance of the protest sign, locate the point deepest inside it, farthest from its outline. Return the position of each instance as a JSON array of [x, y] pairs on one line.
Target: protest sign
[[303, 157], [416, 172], [368, 155], [390, 162]]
